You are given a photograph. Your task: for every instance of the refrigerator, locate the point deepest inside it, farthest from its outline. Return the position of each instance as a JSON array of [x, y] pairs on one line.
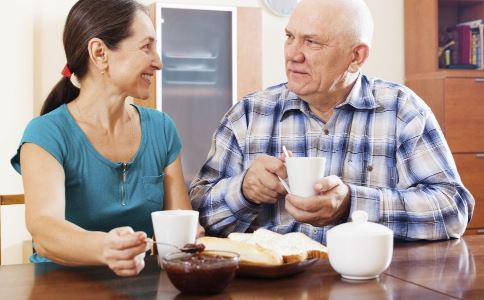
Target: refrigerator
[[198, 82]]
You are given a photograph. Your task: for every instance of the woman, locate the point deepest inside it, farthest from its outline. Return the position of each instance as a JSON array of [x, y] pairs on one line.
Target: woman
[[92, 163]]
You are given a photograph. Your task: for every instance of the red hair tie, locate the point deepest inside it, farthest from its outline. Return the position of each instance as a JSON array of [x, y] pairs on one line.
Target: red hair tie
[[66, 72]]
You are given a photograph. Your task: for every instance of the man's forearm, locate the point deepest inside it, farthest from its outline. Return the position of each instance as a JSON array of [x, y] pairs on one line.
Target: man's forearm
[[428, 211], [222, 207]]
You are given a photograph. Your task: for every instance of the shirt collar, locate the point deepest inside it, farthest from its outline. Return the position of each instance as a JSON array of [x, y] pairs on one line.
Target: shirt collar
[[293, 102], [360, 97]]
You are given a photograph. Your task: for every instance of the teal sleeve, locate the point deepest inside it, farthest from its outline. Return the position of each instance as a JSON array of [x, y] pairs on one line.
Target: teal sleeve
[[45, 134], [173, 142]]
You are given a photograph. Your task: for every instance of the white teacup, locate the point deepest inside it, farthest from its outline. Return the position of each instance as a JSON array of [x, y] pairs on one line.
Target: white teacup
[[175, 227], [303, 173], [360, 249]]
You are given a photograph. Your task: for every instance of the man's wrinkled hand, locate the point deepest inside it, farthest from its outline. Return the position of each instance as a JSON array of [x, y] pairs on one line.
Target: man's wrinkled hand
[[330, 204], [260, 184]]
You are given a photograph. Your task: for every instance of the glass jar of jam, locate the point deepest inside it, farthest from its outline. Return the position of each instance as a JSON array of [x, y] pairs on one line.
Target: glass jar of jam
[[207, 272]]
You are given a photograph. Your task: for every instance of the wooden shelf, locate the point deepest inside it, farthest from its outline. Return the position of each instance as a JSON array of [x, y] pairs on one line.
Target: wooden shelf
[[424, 22], [446, 73], [460, 3]]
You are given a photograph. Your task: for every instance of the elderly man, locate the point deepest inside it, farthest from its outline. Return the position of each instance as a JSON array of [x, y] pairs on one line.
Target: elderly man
[[385, 153]]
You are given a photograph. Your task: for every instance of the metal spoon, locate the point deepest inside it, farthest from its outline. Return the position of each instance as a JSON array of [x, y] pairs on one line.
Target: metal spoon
[[188, 248], [284, 183]]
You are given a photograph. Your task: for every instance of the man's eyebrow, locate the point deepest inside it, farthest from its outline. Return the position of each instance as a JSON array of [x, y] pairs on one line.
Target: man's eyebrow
[[306, 36], [312, 36]]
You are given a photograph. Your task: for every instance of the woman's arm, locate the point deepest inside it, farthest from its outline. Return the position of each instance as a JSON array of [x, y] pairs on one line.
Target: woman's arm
[[176, 196], [62, 241]]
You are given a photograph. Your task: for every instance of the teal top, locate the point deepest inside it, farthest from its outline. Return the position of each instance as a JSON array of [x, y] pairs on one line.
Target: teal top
[[102, 194]]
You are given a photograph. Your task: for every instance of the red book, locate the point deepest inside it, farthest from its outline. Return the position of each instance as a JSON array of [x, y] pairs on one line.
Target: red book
[[464, 33]]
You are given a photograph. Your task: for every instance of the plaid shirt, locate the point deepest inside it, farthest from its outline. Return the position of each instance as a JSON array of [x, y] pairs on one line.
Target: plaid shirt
[[383, 142]]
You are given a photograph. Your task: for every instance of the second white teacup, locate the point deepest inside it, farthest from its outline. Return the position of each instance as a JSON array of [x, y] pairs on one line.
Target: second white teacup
[[175, 227], [303, 173]]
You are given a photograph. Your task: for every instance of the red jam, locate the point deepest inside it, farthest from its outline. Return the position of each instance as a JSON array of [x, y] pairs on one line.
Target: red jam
[[193, 248], [200, 273]]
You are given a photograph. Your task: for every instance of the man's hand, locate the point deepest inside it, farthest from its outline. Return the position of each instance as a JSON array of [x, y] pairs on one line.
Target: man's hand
[[261, 184], [200, 231], [330, 204]]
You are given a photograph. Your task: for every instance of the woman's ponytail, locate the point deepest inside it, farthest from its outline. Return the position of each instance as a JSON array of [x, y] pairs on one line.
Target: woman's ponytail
[[62, 93]]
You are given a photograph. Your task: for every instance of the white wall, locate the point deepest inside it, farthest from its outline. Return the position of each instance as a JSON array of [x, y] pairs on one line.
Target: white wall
[[387, 54], [32, 58], [16, 81]]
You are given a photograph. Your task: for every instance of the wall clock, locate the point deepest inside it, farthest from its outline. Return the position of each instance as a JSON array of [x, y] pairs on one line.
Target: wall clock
[[281, 8]]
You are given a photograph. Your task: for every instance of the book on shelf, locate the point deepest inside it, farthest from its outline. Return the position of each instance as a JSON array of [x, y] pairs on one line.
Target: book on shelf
[[480, 46], [472, 24], [464, 40], [466, 51]]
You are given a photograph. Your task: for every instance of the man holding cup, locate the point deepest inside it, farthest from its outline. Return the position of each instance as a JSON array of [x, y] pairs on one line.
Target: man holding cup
[[384, 151]]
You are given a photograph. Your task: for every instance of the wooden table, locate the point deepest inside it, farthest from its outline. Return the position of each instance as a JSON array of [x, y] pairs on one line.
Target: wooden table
[[419, 270]]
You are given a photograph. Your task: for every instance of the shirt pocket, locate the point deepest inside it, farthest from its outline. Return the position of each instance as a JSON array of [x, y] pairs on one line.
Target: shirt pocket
[[153, 189], [384, 174]]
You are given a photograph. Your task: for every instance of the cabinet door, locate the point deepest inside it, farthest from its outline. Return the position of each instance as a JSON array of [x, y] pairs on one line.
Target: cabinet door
[[471, 168], [464, 114], [197, 86], [212, 56]]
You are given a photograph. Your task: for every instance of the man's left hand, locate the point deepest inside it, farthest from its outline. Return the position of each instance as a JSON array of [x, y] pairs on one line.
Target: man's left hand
[[331, 203]]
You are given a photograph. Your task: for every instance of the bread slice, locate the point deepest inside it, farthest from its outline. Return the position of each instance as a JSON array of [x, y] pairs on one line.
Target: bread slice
[[305, 243], [270, 240], [240, 236], [277, 242], [249, 253]]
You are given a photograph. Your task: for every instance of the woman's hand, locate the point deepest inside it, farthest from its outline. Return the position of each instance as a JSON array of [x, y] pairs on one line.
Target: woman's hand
[[124, 251]]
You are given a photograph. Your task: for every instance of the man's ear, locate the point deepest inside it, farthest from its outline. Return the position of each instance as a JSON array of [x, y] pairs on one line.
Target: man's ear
[[98, 54], [360, 54]]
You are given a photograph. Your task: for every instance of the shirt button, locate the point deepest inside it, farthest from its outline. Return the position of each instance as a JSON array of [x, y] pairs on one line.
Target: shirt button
[[315, 231], [369, 168], [326, 131]]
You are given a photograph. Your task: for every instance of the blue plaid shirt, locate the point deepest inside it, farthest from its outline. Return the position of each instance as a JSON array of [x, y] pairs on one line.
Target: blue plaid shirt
[[383, 141]]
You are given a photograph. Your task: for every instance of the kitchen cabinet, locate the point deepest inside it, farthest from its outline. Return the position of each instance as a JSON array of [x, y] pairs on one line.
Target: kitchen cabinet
[[455, 96]]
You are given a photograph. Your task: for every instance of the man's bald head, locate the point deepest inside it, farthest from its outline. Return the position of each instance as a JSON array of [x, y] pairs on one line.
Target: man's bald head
[[350, 19], [327, 43]]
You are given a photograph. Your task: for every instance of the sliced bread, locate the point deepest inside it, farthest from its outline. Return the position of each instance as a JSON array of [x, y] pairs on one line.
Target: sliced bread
[[240, 236], [293, 246], [305, 243], [249, 253], [277, 242]]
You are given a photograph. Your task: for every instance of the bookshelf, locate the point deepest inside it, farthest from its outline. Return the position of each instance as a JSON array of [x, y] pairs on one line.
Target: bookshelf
[[456, 96], [425, 20]]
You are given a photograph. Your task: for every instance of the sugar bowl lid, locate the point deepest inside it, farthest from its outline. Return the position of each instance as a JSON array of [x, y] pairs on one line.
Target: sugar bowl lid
[[360, 227]]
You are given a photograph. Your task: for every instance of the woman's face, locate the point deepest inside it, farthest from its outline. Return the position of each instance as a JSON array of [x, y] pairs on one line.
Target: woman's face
[[132, 65]]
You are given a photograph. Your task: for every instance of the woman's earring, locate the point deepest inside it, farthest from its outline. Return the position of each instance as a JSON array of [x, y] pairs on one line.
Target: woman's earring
[[75, 81]]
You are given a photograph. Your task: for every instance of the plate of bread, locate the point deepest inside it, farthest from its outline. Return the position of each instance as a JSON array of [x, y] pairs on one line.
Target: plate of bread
[[267, 254]]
